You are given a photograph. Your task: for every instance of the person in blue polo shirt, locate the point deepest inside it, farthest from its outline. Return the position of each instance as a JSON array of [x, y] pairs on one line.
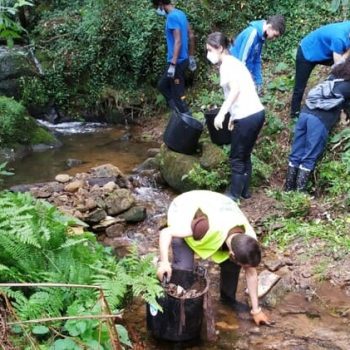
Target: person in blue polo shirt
[[180, 54], [247, 46], [326, 45]]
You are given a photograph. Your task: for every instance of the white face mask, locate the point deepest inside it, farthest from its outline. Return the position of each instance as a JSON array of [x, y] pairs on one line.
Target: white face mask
[[161, 12], [213, 57]]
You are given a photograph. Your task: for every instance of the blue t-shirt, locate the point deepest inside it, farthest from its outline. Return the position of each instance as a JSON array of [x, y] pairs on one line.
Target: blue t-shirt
[[177, 19], [320, 44]]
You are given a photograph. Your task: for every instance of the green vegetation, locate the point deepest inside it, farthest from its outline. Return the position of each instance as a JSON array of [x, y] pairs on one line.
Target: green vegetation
[[38, 245], [10, 28], [17, 127]]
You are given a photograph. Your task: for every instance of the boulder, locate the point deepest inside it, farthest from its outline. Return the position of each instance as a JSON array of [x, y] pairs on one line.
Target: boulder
[[148, 164], [15, 64], [74, 186], [96, 216], [118, 201], [212, 156], [116, 230], [175, 167]]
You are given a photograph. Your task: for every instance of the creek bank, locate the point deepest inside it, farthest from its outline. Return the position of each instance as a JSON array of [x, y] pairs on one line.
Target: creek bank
[[101, 198]]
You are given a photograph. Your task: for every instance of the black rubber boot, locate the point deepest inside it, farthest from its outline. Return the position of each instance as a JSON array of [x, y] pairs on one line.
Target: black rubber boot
[[229, 276], [236, 188], [245, 191], [291, 177], [302, 179]]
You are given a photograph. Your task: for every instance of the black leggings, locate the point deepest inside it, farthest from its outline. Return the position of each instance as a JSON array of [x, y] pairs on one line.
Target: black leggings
[[173, 89], [244, 136], [303, 69]]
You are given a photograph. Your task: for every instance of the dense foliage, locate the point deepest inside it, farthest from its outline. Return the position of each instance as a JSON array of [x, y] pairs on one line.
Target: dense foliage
[[38, 245]]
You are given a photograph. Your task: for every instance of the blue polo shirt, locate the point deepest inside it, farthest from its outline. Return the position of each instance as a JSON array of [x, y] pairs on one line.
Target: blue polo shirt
[[177, 19], [320, 44]]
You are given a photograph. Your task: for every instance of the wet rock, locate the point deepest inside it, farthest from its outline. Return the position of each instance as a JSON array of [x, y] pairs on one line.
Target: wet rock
[[280, 289], [95, 216], [116, 230], [273, 265], [148, 164], [152, 152], [71, 162], [266, 280], [40, 193], [62, 178], [106, 170], [74, 186], [109, 186], [105, 223], [97, 182], [134, 214], [119, 201]]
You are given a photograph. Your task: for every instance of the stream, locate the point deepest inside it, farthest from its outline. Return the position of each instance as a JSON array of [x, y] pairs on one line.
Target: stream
[[301, 323]]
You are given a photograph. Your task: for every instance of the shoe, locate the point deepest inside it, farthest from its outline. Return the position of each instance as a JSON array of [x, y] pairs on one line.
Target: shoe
[[236, 188], [246, 194], [291, 177], [302, 179]]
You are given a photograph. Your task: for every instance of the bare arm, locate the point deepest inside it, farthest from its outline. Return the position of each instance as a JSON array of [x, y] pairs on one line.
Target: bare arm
[[191, 41], [177, 45], [340, 57], [252, 284]]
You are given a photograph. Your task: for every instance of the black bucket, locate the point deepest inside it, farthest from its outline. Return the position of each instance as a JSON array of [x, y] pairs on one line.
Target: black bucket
[[182, 133], [222, 136], [181, 319]]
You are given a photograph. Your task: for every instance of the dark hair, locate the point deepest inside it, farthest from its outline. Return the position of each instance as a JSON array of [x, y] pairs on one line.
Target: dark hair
[[246, 249], [277, 23], [156, 3], [342, 70], [218, 39]]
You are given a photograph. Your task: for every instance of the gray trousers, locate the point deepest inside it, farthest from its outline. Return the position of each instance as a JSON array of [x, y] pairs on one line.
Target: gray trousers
[[183, 259]]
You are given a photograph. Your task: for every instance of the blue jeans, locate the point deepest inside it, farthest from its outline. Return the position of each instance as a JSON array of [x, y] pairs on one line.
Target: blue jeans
[[310, 138]]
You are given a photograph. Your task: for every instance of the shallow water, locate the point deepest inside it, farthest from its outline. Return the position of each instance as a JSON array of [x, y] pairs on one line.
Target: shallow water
[[93, 144]]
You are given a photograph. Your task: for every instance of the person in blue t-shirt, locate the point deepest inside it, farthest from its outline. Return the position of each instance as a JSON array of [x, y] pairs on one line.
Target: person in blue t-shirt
[[326, 45], [247, 46], [180, 54]]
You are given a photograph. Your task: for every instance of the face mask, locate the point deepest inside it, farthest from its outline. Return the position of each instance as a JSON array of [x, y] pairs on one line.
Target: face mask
[[213, 57], [161, 12]]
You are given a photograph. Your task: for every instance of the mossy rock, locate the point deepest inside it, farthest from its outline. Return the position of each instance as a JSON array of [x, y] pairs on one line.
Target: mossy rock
[[42, 136], [175, 167], [212, 156]]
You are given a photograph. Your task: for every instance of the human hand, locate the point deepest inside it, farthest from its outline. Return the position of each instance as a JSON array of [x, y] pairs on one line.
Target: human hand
[[164, 269], [219, 119], [192, 64], [171, 71], [231, 125], [260, 318]]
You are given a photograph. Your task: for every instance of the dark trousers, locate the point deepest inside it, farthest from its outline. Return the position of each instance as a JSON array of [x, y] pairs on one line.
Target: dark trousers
[[303, 69], [310, 139], [183, 259], [173, 89], [244, 136]]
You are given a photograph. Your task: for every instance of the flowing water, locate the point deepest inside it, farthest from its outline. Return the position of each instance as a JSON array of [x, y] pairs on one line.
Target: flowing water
[[92, 144]]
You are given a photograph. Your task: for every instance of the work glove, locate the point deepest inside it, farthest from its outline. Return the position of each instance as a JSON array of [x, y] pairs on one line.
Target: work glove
[[219, 119], [171, 71], [164, 270], [260, 318], [192, 66]]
